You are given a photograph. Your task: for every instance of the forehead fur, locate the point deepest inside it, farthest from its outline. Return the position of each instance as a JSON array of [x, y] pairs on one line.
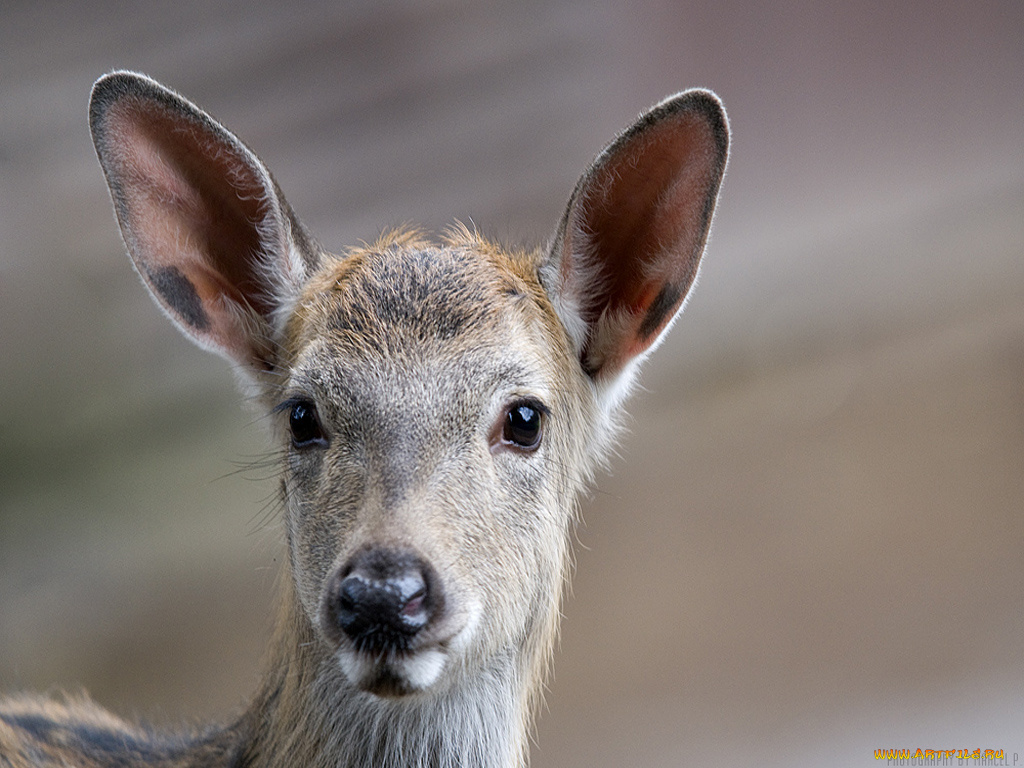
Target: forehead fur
[[407, 290]]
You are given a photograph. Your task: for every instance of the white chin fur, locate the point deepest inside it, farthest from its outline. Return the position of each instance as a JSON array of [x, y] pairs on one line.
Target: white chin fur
[[418, 671], [422, 669]]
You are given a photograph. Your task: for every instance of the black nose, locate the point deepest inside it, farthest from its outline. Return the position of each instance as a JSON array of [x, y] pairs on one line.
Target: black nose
[[382, 599]]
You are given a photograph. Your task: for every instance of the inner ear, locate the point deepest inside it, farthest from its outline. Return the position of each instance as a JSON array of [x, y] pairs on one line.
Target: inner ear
[[645, 214], [204, 222], [631, 241], [194, 210]]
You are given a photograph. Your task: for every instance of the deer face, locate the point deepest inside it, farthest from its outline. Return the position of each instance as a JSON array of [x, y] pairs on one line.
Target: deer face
[[440, 405], [431, 460]]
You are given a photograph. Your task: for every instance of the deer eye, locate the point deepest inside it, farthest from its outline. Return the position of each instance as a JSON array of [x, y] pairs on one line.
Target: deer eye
[[523, 424], [305, 424]]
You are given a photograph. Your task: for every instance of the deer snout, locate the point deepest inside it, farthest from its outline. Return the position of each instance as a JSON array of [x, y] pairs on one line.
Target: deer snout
[[382, 599]]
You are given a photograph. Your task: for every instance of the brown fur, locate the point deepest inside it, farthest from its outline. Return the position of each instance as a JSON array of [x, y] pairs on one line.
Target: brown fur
[[440, 404]]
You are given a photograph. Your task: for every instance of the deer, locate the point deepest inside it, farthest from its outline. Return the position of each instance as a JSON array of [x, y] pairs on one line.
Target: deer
[[439, 403]]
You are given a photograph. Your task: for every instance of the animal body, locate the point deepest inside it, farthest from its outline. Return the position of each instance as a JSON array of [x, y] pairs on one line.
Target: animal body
[[438, 405]]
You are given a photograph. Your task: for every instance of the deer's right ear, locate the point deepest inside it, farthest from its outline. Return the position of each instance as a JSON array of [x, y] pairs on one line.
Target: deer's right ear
[[203, 220]]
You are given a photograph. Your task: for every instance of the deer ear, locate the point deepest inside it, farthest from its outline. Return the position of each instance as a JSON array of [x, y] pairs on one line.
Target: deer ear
[[630, 243], [204, 222]]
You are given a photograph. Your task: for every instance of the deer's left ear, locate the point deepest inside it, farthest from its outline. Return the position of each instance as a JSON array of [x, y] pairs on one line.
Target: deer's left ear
[[630, 243]]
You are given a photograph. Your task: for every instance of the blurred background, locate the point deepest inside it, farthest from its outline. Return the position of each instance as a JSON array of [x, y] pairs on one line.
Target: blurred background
[[811, 545]]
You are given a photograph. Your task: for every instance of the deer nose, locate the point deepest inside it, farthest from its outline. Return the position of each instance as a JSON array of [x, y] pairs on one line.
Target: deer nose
[[382, 599]]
